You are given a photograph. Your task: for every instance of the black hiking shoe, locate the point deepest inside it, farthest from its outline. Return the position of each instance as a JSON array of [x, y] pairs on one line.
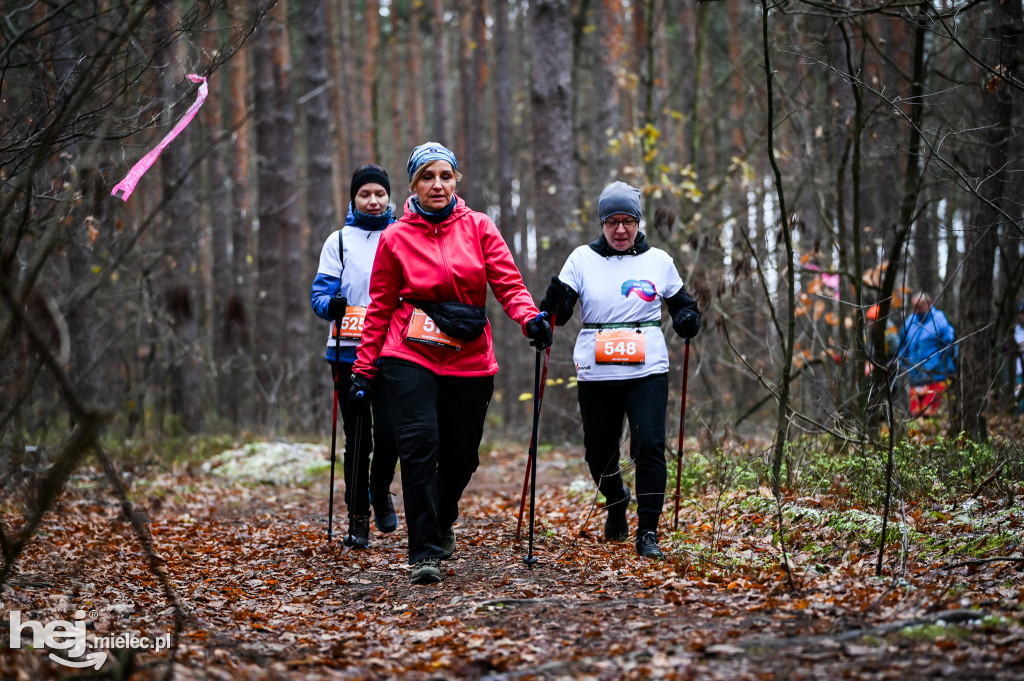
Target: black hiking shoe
[[647, 545], [427, 571], [448, 542], [616, 527], [358, 536], [384, 516]]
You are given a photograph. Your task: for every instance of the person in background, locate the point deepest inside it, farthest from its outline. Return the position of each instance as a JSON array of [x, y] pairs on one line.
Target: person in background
[[1018, 359], [621, 356], [427, 334], [927, 355], [340, 294]]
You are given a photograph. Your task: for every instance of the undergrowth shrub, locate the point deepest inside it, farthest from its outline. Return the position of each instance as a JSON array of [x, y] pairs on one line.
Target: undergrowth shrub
[[939, 467]]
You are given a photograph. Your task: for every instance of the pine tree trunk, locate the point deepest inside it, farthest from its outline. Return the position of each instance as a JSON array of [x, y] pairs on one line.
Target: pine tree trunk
[[511, 370], [554, 167], [235, 324], [181, 229], [314, 387], [976, 309], [281, 317], [441, 130]]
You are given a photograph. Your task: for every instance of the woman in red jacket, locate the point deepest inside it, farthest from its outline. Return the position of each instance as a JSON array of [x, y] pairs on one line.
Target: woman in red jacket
[[426, 331]]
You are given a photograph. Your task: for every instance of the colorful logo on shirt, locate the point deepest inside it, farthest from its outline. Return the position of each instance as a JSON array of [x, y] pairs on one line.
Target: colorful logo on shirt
[[645, 290]]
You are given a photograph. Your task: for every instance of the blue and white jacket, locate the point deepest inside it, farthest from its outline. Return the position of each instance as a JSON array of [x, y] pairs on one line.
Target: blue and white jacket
[[346, 262]]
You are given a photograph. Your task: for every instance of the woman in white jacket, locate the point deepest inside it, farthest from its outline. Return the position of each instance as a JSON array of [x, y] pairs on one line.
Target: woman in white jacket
[[341, 294]]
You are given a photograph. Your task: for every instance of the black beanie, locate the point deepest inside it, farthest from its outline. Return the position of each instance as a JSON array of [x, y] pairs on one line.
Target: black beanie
[[366, 175]]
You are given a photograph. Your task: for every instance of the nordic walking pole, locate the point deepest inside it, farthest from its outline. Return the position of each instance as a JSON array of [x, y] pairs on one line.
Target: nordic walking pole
[[353, 489], [530, 560], [682, 429], [533, 442], [334, 429]]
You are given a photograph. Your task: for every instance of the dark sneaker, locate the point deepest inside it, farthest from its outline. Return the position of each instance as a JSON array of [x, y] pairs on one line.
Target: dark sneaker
[[647, 545], [358, 536], [616, 527], [427, 571], [448, 542], [384, 516]]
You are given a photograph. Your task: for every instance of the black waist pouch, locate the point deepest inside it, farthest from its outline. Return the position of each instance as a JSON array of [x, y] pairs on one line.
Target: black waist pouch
[[458, 320]]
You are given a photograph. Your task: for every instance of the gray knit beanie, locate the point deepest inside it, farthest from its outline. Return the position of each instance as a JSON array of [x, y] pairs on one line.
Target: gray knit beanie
[[619, 198]]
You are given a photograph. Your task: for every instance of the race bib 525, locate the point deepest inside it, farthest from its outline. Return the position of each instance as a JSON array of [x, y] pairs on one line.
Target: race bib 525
[[350, 327]]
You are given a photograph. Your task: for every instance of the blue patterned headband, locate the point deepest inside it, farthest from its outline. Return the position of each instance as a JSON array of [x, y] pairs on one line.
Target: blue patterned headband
[[428, 153]]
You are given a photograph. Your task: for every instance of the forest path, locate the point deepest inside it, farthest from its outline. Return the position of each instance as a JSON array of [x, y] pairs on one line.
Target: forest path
[[267, 597]]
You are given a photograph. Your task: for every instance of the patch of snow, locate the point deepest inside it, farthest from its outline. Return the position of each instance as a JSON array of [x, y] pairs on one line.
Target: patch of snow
[[272, 463]]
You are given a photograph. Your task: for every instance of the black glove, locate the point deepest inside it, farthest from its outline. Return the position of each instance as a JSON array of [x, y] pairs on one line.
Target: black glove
[[359, 394], [539, 331], [686, 323], [559, 300], [336, 307]]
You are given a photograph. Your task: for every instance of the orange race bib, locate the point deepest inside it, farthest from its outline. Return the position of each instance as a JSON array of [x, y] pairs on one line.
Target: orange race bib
[[619, 346], [422, 329], [350, 327]]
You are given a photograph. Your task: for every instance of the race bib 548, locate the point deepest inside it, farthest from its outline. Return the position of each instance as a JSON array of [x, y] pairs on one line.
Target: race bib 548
[[619, 346]]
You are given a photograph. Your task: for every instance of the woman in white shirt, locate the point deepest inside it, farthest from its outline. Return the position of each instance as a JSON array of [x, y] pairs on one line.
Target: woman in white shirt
[[621, 357]]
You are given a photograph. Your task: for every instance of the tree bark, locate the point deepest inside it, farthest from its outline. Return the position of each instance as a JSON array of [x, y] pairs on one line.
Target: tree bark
[[553, 162], [473, 49], [976, 309], [322, 217], [788, 340], [234, 322], [280, 321], [504, 105], [441, 129], [82, 316], [181, 229]]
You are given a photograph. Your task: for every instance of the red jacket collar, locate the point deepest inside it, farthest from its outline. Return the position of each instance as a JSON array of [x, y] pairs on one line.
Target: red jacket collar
[[412, 217]]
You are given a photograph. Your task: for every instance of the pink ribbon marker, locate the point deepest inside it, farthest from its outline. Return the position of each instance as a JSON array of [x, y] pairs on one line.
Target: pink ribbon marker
[[832, 281], [127, 185]]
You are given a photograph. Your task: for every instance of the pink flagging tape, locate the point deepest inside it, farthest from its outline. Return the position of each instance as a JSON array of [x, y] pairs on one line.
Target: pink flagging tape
[[127, 185]]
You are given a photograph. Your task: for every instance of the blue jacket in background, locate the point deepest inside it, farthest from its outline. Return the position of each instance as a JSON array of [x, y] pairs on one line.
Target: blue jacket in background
[[927, 352]]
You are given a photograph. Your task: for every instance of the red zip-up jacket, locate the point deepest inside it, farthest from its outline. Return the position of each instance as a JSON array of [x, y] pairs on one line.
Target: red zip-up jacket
[[451, 261]]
